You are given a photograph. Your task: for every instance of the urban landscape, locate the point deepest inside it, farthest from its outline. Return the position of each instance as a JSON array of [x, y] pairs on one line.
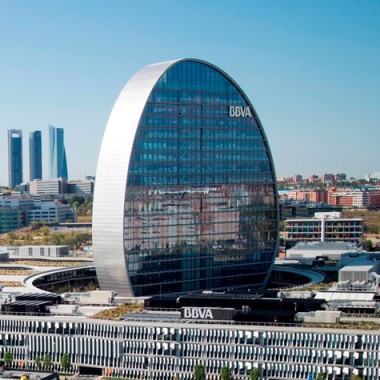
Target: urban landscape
[[183, 252]]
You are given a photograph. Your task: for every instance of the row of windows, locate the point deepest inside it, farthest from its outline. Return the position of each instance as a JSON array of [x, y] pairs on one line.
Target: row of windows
[[194, 167], [196, 132], [230, 158], [196, 97], [148, 347], [167, 122], [197, 179], [197, 145], [171, 109]]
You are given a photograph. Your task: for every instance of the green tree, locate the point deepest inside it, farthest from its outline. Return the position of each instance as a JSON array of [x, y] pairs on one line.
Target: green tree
[[356, 377], [47, 361], [199, 372], [11, 237], [8, 358], [225, 373], [367, 245], [38, 361], [65, 362], [255, 373], [321, 376]]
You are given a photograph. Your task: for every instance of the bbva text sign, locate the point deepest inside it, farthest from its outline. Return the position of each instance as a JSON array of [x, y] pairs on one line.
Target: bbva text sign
[[239, 111], [197, 313]]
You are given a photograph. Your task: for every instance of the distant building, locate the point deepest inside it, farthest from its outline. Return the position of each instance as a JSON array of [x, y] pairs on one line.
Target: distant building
[[373, 198], [297, 178], [303, 209], [313, 178], [354, 197], [15, 164], [48, 186], [10, 219], [15, 210], [35, 155], [81, 187], [50, 212], [58, 162], [42, 251], [373, 176], [346, 197], [340, 177], [311, 250], [324, 227], [308, 195], [327, 177]]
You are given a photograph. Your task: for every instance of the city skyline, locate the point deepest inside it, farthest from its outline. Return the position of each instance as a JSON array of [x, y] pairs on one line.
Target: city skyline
[[311, 69]]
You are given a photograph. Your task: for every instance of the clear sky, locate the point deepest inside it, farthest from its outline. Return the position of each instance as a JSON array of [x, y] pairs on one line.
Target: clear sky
[[310, 68]]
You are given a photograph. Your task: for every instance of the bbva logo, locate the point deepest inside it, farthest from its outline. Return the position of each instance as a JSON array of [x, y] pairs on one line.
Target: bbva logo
[[240, 111], [195, 313]]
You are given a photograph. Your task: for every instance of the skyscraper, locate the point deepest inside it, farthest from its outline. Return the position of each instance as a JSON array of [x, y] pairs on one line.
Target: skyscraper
[[35, 155], [15, 167], [58, 163], [185, 197]]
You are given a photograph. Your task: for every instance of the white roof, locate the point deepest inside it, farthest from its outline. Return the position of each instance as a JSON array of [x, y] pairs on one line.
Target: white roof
[[345, 296]]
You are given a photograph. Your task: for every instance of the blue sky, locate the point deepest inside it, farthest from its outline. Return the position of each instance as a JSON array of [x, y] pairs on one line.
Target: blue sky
[[310, 68]]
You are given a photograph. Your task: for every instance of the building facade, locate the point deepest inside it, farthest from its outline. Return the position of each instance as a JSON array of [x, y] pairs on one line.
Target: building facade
[[50, 212], [26, 251], [10, 219], [185, 196], [48, 186], [58, 162], [167, 350], [35, 155], [308, 195], [324, 227], [15, 164]]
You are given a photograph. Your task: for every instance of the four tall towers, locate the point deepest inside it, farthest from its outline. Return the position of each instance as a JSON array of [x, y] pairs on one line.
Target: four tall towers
[[58, 163]]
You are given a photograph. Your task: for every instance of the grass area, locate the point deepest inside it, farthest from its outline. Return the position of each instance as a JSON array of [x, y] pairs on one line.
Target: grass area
[[84, 219], [117, 312], [50, 263], [15, 272], [371, 219], [365, 325], [11, 283]]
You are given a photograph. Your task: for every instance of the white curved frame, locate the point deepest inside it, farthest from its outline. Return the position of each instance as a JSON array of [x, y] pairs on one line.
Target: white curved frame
[[111, 179]]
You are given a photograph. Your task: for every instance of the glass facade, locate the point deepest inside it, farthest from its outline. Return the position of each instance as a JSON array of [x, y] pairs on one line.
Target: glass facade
[[200, 201], [58, 163], [35, 155], [15, 164]]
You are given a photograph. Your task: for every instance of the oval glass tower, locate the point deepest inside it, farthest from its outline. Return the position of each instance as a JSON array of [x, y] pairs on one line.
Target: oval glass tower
[[185, 197]]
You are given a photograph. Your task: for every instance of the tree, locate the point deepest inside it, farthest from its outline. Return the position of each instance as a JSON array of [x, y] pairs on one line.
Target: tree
[[47, 361], [65, 362], [321, 376], [356, 377], [8, 358], [225, 373], [255, 373], [367, 245], [38, 361], [199, 372]]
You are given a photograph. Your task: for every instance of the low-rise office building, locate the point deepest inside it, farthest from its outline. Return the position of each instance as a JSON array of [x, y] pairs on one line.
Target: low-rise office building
[[51, 212], [42, 251], [10, 219], [48, 186], [164, 350], [324, 227]]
